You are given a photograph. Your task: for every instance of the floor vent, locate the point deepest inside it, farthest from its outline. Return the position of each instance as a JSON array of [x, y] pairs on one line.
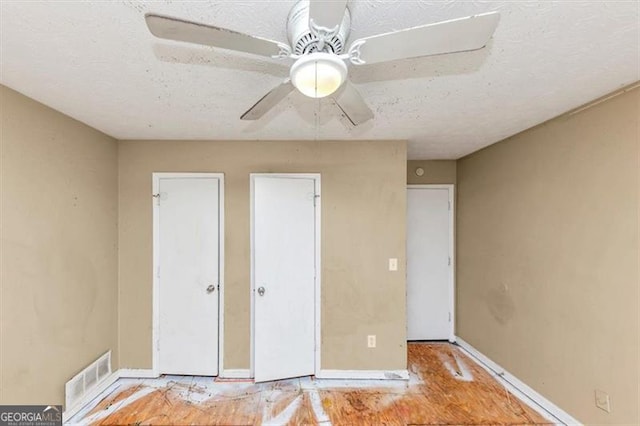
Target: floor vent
[[87, 380]]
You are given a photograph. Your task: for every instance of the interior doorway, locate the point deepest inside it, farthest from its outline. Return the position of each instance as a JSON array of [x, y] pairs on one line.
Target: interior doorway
[[187, 272], [430, 263], [285, 264]]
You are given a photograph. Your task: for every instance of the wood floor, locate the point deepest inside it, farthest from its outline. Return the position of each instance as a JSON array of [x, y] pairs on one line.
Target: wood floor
[[445, 388]]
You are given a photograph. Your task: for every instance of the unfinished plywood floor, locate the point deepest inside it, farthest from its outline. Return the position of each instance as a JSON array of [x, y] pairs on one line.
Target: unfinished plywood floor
[[445, 388]]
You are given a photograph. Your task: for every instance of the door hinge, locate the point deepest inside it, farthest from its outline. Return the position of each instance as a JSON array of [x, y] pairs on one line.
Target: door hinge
[[315, 196], [449, 316], [157, 197], [449, 205], [449, 261], [158, 271]]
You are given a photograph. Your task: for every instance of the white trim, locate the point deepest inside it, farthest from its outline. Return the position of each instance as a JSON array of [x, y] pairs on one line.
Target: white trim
[[235, 374], [318, 210], [518, 387], [123, 373], [155, 311], [318, 270], [137, 373], [452, 251], [252, 301], [364, 374], [156, 176], [221, 286], [90, 396]]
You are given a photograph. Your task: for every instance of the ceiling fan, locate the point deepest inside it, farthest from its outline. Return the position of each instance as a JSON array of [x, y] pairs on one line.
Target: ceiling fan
[[318, 32]]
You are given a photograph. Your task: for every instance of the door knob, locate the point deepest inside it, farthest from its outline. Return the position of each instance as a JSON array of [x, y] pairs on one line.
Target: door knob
[[211, 288], [261, 291]]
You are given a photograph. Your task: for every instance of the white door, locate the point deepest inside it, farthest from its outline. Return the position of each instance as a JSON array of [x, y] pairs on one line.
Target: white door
[[188, 221], [283, 276], [429, 285]]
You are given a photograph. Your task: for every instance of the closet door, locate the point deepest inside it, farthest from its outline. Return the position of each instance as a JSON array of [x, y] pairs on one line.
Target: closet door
[[429, 286], [284, 276], [188, 275]]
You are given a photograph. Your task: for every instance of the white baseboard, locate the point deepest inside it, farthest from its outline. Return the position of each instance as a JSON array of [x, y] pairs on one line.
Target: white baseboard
[[122, 373], [90, 396], [517, 387], [138, 373], [364, 374], [235, 374]]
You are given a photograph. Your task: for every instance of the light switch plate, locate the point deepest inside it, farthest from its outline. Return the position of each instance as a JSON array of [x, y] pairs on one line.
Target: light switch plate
[[393, 264], [371, 341]]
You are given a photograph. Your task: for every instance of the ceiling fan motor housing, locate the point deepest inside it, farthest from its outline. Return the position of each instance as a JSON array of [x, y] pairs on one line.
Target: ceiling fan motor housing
[[303, 41]]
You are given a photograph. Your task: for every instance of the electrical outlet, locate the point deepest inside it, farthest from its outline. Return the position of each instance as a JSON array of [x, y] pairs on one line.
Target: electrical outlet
[[371, 341], [602, 401], [393, 264]]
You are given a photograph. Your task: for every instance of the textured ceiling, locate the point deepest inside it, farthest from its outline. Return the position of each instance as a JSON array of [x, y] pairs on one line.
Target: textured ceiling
[[97, 62]]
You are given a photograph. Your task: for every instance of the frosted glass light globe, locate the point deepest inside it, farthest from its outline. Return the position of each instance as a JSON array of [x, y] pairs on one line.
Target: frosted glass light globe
[[318, 74]]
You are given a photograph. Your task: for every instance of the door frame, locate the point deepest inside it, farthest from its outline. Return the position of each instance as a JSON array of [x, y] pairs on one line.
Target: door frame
[[452, 270], [317, 280], [156, 176]]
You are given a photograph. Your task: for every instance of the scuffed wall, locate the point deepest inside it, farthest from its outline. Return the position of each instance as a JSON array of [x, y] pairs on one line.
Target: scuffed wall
[[363, 225], [58, 244], [547, 258]]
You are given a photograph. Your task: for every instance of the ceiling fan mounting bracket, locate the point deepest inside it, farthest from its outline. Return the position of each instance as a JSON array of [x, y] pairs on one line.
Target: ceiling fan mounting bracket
[[307, 37], [322, 34], [285, 52], [354, 52]]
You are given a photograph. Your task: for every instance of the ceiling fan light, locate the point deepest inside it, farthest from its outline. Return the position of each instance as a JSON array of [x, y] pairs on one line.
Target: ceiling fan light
[[318, 74]]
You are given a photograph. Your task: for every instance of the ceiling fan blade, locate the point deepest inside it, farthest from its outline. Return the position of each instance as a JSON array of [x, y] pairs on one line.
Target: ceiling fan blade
[[192, 32], [351, 103], [327, 14], [457, 35], [268, 101]]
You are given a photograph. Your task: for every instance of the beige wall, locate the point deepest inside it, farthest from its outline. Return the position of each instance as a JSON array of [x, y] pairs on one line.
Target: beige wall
[[435, 172], [58, 243], [547, 250], [363, 224]]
